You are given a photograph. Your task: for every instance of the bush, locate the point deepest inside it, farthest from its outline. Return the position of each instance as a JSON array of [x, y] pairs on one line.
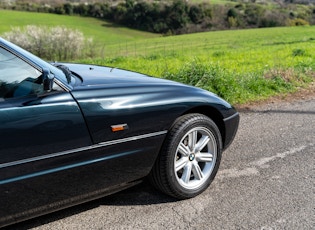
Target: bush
[[298, 22], [238, 88], [51, 43], [298, 52]]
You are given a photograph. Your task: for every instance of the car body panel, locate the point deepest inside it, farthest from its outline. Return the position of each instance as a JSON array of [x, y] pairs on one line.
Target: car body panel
[[76, 177], [144, 103], [90, 137]]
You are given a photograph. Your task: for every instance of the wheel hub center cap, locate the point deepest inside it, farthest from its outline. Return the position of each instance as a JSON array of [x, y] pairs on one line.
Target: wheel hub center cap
[[191, 157]]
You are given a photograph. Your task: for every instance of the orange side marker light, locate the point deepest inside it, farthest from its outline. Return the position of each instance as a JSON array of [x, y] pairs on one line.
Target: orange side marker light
[[121, 127]]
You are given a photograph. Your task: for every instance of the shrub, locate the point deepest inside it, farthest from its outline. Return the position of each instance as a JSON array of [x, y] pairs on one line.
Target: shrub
[[238, 88], [51, 43], [298, 22], [298, 52]]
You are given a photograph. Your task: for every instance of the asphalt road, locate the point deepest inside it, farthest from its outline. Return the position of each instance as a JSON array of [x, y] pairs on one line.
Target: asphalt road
[[266, 181]]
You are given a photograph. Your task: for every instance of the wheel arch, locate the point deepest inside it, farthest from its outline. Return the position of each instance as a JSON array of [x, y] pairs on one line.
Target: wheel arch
[[214, 115]]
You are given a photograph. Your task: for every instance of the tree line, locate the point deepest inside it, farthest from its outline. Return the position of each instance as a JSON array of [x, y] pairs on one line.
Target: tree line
[[180, 16]]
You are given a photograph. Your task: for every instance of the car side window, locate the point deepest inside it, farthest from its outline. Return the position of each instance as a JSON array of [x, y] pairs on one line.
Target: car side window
[[17, 77]]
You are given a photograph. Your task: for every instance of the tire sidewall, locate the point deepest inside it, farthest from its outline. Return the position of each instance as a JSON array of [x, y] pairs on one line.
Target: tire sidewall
[[180, 129]]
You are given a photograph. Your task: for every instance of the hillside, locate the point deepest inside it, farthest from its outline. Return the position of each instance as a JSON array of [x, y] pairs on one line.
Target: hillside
[[182, 16], [102, 32], [55, 2], [238, 65]]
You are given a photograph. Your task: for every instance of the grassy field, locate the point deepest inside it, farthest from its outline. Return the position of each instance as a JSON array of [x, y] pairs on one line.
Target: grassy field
[[101, 31], [239, 50], [239, 65]]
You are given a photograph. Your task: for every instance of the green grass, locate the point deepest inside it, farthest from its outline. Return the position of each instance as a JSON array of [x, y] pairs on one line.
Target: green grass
[[102, 32], [239, 65]]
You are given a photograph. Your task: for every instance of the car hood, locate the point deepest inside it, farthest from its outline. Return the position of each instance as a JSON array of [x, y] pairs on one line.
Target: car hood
[[121, 88], [121, 82], [93, 75]]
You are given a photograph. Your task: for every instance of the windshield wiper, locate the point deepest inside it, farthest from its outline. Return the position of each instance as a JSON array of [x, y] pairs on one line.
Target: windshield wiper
[[65, 70]]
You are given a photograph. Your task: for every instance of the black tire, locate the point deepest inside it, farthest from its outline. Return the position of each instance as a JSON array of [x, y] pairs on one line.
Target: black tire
[[189, 158]]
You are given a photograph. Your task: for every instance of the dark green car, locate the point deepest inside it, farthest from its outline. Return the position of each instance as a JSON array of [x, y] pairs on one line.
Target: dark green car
[[70, 133]]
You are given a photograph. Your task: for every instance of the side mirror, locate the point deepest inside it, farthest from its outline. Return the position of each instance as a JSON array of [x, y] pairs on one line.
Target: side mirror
[[48, 80]]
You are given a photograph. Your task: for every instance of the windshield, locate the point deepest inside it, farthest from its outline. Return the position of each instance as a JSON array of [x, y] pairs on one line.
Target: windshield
[[59, 74], [17, 77]]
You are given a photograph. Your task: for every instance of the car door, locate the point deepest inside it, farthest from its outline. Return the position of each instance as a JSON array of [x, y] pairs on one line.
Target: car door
[[40, 133]]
